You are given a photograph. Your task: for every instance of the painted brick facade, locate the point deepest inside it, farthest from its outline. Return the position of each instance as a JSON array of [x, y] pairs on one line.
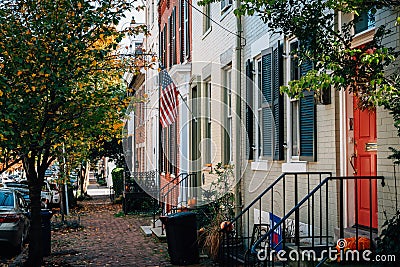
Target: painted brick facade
[[387, 133]]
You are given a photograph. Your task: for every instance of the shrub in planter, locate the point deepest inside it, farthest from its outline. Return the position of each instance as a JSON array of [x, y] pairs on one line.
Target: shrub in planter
[[118, 181]]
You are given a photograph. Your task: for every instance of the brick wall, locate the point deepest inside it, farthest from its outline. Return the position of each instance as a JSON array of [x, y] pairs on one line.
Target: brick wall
[[386, 132]]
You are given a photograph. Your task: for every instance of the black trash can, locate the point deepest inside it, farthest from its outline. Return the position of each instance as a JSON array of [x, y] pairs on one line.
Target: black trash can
[[46, 231], [181, 230]]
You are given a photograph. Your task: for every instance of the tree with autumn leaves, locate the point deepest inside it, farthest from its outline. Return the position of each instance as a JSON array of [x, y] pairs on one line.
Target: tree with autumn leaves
[[60, 84]]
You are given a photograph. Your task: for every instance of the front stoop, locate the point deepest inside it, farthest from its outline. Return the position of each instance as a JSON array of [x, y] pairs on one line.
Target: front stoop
[[157, 230], [146, 230], [149, 230]]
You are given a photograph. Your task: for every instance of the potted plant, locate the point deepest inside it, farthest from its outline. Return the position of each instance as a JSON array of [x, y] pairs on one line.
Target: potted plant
[[220, 207]]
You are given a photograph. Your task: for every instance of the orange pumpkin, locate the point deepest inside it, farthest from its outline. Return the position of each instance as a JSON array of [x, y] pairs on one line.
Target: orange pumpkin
[[363, 243], [192, 202], [226, 226], [350, 244]]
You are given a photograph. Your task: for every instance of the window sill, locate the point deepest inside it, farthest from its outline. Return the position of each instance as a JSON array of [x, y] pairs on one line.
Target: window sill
[[363, 37], [206, 33], [225, 12], [263, 165], [295, 166]]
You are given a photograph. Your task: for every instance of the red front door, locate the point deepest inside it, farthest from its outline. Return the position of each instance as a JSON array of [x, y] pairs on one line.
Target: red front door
[[365, 165]]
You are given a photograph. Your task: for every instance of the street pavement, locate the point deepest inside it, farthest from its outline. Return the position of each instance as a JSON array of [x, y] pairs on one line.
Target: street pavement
[[98, 234], [107, 238], [96, 190]]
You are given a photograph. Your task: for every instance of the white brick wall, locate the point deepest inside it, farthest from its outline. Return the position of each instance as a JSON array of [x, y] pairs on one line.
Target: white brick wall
[[387, 133], [254, 28], [207, 49], [151, 86]]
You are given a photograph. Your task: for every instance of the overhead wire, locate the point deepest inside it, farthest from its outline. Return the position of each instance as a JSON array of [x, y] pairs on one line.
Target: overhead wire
[[221, 26]]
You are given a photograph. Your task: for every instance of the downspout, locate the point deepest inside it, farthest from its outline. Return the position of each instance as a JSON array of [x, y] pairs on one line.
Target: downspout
[[342, 133], [239, 142]]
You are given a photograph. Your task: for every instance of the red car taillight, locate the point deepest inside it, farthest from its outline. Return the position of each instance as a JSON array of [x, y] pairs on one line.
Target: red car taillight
[[9, 218]]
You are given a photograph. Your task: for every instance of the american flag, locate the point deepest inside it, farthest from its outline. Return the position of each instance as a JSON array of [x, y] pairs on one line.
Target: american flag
[[168, 99]]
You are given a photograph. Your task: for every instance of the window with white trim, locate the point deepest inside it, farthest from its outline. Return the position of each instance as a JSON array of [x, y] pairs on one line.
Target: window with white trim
[[268, 105], [303, 112], [363, 22], [208, 144], [207, 18], [225, 5], [186, 29], [227, 143]]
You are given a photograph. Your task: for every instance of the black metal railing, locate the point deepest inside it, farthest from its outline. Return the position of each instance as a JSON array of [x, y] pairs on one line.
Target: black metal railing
[[169, 193], [320, 236], [255, 220], [146, 180], [138, 191]]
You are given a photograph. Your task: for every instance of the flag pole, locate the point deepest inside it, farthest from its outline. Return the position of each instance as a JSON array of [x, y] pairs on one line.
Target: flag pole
[[187, 106], [184, 101]]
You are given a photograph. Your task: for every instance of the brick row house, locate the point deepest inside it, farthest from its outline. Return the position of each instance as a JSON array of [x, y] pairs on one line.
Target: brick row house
[[174, 23]]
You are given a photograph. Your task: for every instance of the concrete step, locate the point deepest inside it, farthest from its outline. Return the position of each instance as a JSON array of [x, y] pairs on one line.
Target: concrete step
[[157, 231], [146, 230]]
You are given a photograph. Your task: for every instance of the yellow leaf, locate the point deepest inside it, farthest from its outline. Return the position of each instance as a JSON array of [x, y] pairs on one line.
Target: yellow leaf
[[33, 75], [19, 73]]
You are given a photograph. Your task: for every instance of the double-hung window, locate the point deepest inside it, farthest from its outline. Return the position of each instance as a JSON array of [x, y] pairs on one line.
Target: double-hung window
[[266, 134], [363, 22], [227, 141], [303, 113], [163, 45], [172, 37], [250, 143], [207, 18], [186, 29], [208, 143], [225, 4]]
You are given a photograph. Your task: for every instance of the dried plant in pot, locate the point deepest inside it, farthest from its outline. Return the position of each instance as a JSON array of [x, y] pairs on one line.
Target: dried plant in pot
[[220, 208]]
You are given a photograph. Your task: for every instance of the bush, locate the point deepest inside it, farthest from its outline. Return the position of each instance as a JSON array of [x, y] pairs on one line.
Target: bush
[[102, 182], [388, 243], [118, 181]]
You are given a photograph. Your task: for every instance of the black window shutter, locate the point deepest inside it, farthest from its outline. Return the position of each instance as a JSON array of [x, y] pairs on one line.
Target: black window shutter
[[277, 103], [307, 120], [249, 110], [160, 48], [174, 36], [170, 41], [182, 30], [267, 117]]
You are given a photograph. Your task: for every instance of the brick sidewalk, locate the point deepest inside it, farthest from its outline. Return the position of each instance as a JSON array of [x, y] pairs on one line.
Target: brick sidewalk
[[106, 240]]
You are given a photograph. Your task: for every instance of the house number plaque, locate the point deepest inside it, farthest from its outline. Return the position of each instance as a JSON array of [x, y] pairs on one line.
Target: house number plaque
[[371, 147]]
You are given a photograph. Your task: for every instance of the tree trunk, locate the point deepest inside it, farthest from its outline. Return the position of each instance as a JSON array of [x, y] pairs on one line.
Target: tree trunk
[[35, 182], [61, 192], [82, 179], [86, 179]]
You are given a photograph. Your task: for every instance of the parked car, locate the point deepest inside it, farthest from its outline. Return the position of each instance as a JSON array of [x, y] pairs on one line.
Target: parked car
[[51, 193], [14, 218], [22, 188]]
